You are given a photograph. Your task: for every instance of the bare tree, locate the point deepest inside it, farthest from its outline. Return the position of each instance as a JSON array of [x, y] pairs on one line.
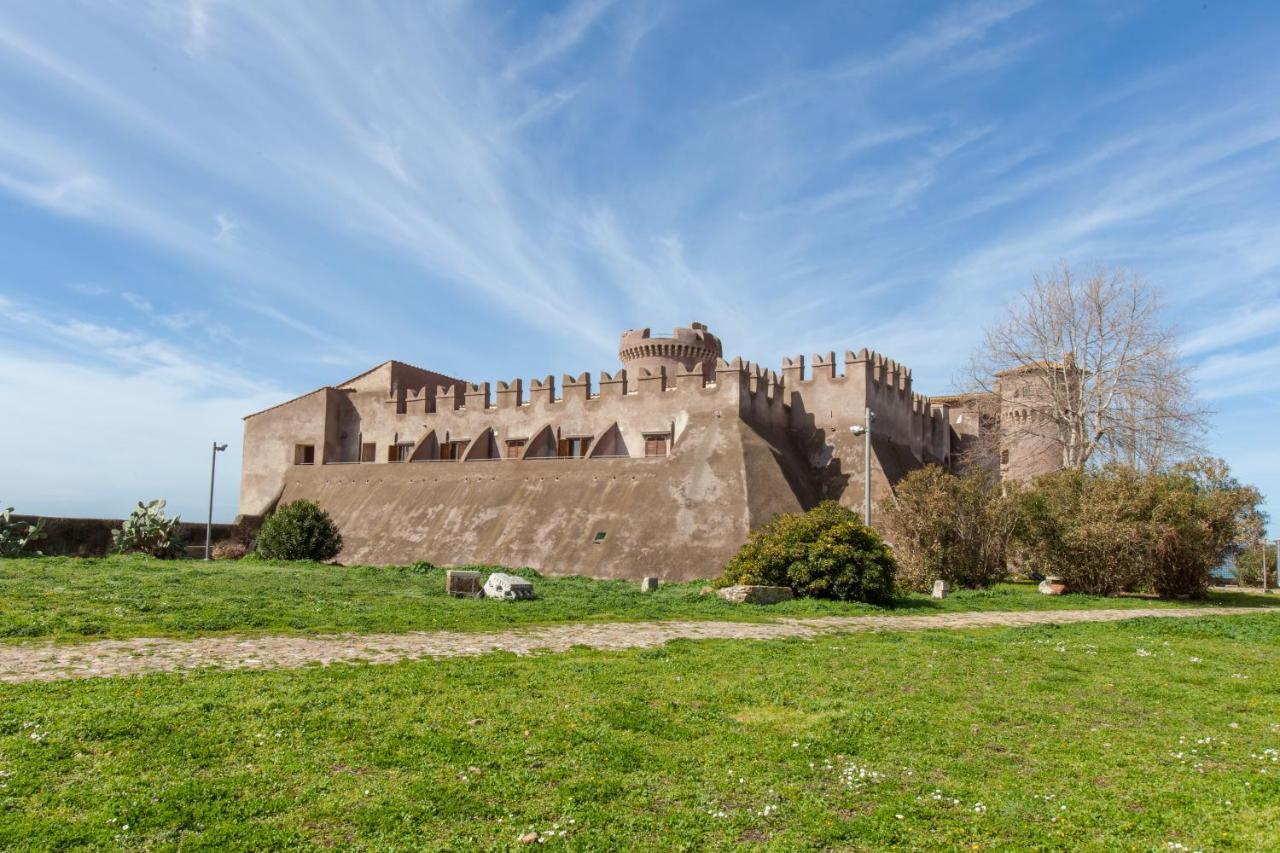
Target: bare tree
[[1087, 366]]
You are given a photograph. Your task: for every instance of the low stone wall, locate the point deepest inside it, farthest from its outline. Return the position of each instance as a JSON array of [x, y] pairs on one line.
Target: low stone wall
[[91, 537]]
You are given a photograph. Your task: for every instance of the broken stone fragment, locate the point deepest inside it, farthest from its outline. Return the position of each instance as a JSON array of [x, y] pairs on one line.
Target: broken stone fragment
[[508, 587], [940, 589], [649, 584], [756, 594]]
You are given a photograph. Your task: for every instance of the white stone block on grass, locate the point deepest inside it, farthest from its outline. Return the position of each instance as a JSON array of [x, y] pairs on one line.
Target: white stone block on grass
[[507, 587]]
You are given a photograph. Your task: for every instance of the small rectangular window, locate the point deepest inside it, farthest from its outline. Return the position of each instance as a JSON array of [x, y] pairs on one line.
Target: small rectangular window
[[1004, 457], [453, 449], [402, 452], [573, 447], [656, 445], [515, 447], [368, 452], [304, 454]]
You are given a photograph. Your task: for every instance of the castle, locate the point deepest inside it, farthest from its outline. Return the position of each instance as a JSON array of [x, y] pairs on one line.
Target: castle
[[660, 469]]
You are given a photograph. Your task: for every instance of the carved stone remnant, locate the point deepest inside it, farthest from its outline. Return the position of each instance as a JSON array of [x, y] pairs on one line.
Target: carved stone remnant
[[509, 587]]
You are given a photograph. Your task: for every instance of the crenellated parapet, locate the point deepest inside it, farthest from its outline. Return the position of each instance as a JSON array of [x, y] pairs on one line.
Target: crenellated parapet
[[692, 348], [828, 399], [736, 386]]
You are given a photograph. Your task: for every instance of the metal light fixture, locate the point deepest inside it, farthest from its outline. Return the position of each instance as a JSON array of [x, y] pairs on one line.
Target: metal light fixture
[[208, 527], [864, 430]]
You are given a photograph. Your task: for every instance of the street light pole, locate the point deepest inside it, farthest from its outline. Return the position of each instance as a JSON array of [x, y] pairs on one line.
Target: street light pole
[[1264, 565], [208, 527], [865, 431]]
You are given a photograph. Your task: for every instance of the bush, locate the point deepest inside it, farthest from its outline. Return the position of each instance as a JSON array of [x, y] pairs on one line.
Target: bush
[[17, 536], [1249, 565], [1116, 530], [826, 552], [1198, 512], [148, 531], [949, 527], [229, 549], [299, 531], [1085, 528]]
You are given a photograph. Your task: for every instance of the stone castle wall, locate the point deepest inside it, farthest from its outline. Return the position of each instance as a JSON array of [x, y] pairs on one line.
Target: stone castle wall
[[682, 458]]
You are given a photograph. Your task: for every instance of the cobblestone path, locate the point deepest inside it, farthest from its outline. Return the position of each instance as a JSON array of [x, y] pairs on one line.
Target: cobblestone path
[[109, 658]]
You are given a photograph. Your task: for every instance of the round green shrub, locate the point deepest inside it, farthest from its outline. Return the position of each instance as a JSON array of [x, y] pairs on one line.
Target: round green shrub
[[299, 531], [826, 552]]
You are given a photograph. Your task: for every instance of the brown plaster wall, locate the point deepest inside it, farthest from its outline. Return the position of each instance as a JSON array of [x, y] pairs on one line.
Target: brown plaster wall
[[679, 517], [269, 440]]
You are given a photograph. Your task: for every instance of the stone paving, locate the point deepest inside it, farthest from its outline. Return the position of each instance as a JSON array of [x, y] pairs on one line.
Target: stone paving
[[109, 658]]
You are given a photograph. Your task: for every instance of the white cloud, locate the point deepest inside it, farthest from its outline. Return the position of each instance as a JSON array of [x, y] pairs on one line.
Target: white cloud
[[108, 438], [558, 35], [87, 437], [226, 226], [1239, 326], [1254, 373]]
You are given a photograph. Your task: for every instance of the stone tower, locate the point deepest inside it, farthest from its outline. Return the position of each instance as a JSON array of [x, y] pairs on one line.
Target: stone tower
[[688, 349], [1029, 442]]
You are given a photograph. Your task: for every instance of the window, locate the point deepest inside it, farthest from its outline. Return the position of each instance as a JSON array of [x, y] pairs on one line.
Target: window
[[656, 445], [1004, 457], [573, 447], [368, 452], [304, 454], [401, 452], [453, 449], [515, 447]]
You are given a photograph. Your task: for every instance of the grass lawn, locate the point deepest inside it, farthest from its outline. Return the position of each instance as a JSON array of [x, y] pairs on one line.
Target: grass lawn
[[1137, 735], [68, 598]]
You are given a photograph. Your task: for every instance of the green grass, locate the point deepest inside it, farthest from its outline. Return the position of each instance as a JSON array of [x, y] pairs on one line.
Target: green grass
[[68, 598], [1110, 736]]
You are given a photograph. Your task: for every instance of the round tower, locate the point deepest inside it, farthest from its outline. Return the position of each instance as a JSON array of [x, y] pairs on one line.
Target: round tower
[[1030, 444], [689, 349]]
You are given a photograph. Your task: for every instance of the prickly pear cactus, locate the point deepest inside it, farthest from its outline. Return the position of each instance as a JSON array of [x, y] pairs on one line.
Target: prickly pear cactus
[[17, 536], [148, 531]]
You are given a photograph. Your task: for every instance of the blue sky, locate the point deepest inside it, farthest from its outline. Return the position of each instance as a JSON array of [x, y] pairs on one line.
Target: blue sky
[[207, 207]]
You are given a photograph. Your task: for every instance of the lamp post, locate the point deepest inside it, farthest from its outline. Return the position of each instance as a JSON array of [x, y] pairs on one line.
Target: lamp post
[[208, 527], [864, 430]]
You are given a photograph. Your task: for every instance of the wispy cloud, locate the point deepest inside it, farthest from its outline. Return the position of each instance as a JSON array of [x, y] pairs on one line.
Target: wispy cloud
[[1244, 324], [559, 34], [966, 24]]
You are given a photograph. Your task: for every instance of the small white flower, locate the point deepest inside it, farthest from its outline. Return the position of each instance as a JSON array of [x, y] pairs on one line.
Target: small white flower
[[1143, 653]]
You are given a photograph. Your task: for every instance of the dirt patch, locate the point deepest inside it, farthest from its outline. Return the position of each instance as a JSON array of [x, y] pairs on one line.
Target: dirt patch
[[111, 658]]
